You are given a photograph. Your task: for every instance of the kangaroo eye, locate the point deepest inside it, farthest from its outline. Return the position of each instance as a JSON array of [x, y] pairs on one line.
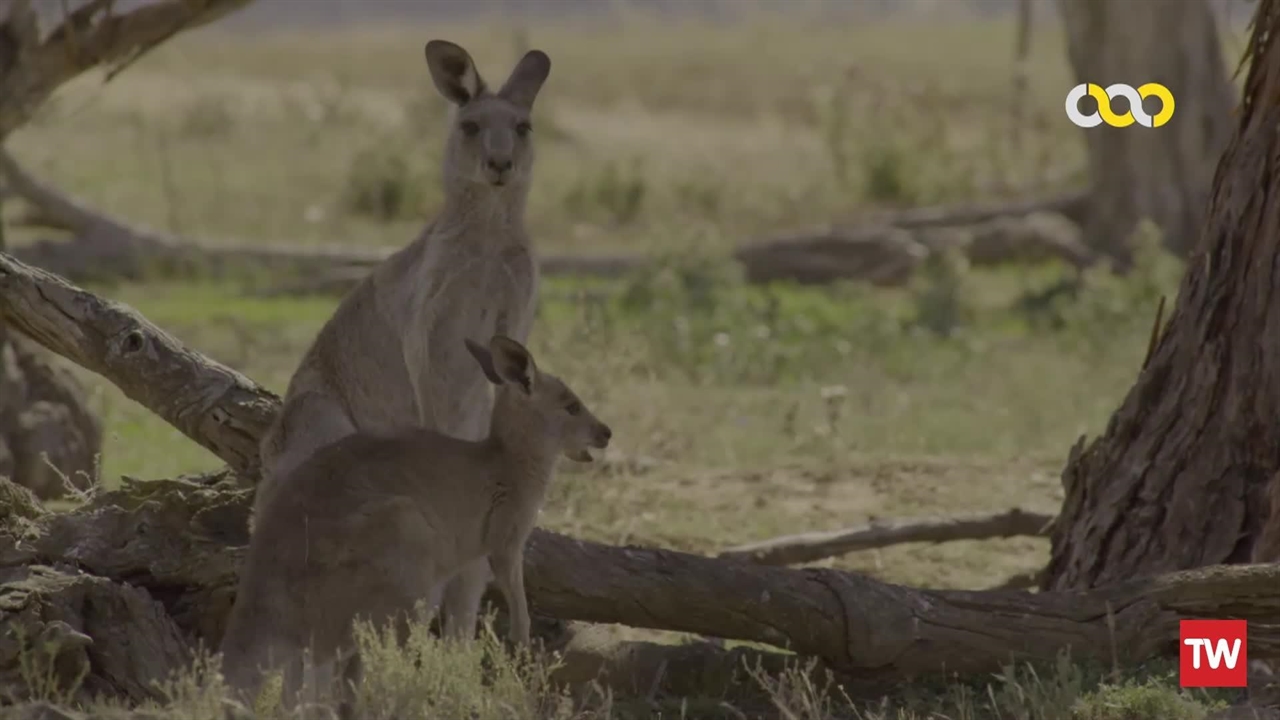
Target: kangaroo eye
[[523, 128], [573, 408], [469, 127]]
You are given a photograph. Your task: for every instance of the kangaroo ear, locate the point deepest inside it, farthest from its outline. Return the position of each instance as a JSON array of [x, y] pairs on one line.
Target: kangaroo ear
[[513, 362], [485, 359], [526, 79], [453, 72]]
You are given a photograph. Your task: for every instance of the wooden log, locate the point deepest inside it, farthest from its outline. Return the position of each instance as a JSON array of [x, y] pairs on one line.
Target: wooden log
[[183, 541]]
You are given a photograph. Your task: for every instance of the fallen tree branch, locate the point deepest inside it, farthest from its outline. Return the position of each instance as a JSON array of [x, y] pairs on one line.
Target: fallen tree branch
[[212, 404], [177, 539], [807, 547]]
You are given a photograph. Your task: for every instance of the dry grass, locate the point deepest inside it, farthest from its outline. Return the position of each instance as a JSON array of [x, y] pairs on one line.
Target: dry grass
[[676, 139]]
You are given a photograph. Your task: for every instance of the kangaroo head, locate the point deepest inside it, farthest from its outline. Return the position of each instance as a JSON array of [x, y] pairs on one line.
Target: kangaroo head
[[547, 404], [490, 143]]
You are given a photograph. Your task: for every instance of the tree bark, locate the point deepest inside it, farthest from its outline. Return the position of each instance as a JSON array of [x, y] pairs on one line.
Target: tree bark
[[1178, 478], [1158, 173]]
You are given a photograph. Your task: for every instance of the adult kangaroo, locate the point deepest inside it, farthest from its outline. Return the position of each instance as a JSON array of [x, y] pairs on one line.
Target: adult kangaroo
[[393, 354]]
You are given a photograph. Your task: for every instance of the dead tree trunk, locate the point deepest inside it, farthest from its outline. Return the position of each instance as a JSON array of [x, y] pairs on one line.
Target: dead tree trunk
[[1158, 173], [1178, 478]]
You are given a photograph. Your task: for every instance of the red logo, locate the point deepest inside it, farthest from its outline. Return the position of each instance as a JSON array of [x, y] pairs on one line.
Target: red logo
[[1213, 653]]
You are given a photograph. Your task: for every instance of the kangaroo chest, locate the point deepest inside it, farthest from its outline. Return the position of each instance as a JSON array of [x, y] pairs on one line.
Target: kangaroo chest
[[465, 293]]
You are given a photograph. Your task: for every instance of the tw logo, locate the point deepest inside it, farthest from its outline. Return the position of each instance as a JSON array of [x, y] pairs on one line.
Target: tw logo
[[1213, 653]]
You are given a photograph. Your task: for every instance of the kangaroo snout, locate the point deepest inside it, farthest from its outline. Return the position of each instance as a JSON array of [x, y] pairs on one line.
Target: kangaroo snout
[[601, 436], [499, 170]]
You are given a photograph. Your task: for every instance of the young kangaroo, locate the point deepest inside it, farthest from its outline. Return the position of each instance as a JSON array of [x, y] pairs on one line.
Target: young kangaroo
[[373, 523], [391, 356]]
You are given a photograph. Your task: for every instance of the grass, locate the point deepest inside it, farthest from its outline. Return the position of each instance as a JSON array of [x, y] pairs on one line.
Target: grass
[[743, 412]]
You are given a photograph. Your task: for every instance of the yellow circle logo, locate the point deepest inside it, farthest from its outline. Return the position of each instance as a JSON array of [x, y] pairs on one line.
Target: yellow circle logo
[[1104, 114]]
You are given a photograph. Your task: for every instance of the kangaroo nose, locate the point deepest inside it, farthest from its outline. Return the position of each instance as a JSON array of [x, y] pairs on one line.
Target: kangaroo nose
[[605, 433], [500, 165]]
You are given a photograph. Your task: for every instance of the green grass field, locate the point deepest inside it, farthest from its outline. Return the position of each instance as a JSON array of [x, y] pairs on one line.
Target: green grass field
[[677, 140]]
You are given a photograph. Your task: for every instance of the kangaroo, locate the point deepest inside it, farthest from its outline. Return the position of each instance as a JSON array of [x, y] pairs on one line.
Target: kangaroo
[[391, 354], [372, 523]]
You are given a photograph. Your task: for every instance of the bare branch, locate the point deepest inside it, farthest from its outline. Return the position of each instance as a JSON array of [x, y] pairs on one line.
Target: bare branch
[[807, 547]]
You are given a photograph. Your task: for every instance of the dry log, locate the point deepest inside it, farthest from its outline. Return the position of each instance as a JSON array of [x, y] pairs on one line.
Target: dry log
[[807, 547], [183, 540], [884, 251]]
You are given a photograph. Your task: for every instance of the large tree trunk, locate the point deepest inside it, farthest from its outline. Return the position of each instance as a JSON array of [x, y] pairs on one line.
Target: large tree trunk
[[1178, 479], [1158, 173]]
